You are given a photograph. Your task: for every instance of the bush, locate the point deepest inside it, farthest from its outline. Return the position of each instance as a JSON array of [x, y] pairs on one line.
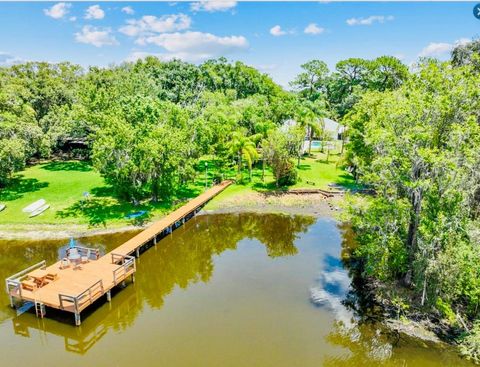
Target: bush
[[217, 178], [470, 345], [289, 175]]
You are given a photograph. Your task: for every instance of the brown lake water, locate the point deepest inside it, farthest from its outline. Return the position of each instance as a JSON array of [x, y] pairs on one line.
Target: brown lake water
[[224, 290]]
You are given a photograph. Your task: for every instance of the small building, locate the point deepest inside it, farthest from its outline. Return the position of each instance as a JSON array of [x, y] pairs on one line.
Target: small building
[[334, 128]]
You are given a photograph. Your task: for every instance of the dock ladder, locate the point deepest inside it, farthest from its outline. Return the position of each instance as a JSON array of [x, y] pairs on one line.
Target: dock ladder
[[40, 310]]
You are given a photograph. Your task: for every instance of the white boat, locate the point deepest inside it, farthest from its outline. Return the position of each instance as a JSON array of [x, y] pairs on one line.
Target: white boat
[[39, 210], [2, 206], [36, 205]]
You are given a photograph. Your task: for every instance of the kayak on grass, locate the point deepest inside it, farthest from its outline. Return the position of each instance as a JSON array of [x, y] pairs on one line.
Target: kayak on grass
[[136, 214], [39, 211], [34, 206]]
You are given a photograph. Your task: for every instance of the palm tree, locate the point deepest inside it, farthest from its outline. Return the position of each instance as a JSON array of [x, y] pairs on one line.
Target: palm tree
[[306, 119], [310, 116], [245, 149]]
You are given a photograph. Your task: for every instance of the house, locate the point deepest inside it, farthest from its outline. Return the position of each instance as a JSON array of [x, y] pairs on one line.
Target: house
[[335, 129]]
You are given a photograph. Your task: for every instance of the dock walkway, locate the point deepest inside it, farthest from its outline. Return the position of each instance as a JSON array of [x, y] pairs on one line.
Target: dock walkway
[[74, 287]]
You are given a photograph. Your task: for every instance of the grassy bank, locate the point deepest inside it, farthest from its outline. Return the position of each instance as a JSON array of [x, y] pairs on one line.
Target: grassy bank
[[64, 184], [313, 172]]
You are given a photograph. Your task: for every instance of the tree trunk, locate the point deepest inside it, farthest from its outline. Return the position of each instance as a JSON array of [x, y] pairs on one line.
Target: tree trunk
[[416, 201], [263, 170], [310, 137], [240, 165], [299, 154], [323, 136]]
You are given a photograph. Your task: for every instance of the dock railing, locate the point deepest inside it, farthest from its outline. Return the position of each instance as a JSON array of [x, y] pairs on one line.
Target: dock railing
[[84, 251], [89, 295], [13, 284], [126, 267]]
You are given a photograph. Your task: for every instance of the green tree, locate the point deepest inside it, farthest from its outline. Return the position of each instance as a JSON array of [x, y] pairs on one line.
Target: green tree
[[311, 82], [277, 151], [418, 148], [243, 148]]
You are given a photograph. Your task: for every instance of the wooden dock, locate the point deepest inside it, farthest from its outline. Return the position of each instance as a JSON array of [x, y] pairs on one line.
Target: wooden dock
[[72, 287]]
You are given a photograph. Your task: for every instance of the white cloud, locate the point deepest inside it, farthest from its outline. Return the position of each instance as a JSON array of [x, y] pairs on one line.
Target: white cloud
[[149, 25], [441, 48], [313, 28], [96, 36], [94, 12], [7, 59], [462, 41], [370, 20], [128, 10], [72, 19], [435, 49], [58, 10], [265, 68], [194, 46], [213, 5], [277, 31]]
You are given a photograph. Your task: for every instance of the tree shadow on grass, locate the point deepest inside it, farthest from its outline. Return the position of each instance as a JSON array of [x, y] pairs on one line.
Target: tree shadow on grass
[[18, 186], [187, 192], [103, 192], [347, 181], [97, 210], [304, 167], [80, 166], [264, 186], [103, 206]]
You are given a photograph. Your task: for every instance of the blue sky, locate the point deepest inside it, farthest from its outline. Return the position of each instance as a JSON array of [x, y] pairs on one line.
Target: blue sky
[[276, 37]]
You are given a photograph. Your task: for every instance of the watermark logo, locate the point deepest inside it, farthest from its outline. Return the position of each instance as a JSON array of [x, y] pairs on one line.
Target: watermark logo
[[476, 11]]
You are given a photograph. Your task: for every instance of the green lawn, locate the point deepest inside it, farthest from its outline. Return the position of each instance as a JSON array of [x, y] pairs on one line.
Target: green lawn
[[314, 172], [62, 185]]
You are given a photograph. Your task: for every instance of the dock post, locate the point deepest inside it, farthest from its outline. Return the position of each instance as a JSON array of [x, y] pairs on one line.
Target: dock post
[[155, 240], [78, 320], [12, 303], [137, 252], [109, 296], [133, 278]]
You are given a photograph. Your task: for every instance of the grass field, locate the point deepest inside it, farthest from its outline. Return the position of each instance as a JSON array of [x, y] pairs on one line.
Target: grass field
[[314, 172], [63, 184]]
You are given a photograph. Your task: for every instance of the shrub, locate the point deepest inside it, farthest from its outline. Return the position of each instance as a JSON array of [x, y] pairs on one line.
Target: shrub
[[289, 175]]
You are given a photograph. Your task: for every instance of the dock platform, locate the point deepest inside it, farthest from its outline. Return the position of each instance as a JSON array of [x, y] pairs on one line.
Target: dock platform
[[72, 287]]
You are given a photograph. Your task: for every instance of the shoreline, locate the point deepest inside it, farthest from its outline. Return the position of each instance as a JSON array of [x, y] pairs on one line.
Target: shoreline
[[315, 205]]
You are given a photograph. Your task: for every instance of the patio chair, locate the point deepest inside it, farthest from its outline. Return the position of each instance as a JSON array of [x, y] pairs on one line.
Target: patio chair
[[86, 258], [64, 263], [29, 285], [52, 276]]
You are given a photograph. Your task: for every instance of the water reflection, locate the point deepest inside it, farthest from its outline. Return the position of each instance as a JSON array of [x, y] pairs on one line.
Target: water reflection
[[333, 284], [357, 328], [179, 260], [209, 295]]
